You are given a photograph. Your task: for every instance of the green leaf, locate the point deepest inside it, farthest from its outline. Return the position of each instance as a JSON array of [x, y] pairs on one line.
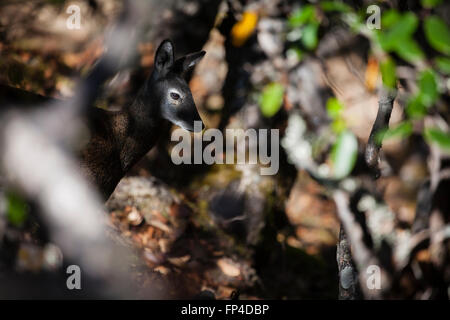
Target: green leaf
[[438, 34], [338, 125], [335, 6], [396, 35], [403, 28], [443, 64], [408, 50], [334, 108], [435, 135], [387, 68], [271, 99], [344, 154], [415, 107], [297, 52], [301, 16], [16, 209], [430, 3], [402, 131], [428, 88], [309, 37], [389, 18]]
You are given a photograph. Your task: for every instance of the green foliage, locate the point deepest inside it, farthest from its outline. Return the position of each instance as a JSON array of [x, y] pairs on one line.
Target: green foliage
[[395, 27], [297, 52], [271, 99], [443, 64], [301, 16], [305, 20], [428, 88], [428, 94], [389, 18], [388, 76], [396, 35], [409, 50], [335, 6], [16, 209], [338, 125], [415, 108], [438, 34], [344, 154], [334, 109], [440, 138], [430, 3], [345, 149], [401, 131], [309, 38]]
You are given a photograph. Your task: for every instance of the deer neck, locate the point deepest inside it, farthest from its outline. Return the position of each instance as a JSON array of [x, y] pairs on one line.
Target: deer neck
[[136, 129], [119, 140]]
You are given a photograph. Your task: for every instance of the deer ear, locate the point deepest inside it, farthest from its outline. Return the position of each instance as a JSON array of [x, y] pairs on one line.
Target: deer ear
[[185, 64], [164, 57]]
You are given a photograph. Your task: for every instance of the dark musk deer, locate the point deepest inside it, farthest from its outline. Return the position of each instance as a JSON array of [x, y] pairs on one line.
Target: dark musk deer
[[118, 139]]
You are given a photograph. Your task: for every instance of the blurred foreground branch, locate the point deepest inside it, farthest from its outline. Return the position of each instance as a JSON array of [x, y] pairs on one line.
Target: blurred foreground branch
[[35, 162]]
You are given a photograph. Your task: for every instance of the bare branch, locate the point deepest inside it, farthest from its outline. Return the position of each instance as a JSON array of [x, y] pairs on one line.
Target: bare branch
[[363, 256], [348, 283], [385, 106]]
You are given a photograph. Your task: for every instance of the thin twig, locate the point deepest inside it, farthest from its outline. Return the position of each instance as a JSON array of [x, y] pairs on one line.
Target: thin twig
[[385, 106]]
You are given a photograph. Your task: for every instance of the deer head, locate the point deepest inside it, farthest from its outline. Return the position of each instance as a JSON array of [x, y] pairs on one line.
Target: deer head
[[167, 86]]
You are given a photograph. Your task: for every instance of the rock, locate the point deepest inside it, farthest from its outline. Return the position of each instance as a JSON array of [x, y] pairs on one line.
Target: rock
[[233, 272], [269, 36], [228, 267], [135, 217], [52, 257]]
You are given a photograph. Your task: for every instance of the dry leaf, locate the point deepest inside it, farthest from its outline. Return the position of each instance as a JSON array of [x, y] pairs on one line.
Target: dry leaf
[[371, 74], [243, 29]]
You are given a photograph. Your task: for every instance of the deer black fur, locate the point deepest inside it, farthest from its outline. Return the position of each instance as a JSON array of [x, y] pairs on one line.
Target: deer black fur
[[119, 139]]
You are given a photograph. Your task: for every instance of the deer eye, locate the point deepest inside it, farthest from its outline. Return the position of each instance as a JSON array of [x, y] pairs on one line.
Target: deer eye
[[174, 96]]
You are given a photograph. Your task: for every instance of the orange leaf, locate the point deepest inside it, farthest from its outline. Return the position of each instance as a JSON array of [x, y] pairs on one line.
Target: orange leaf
[[371, 74], [243, 29]]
